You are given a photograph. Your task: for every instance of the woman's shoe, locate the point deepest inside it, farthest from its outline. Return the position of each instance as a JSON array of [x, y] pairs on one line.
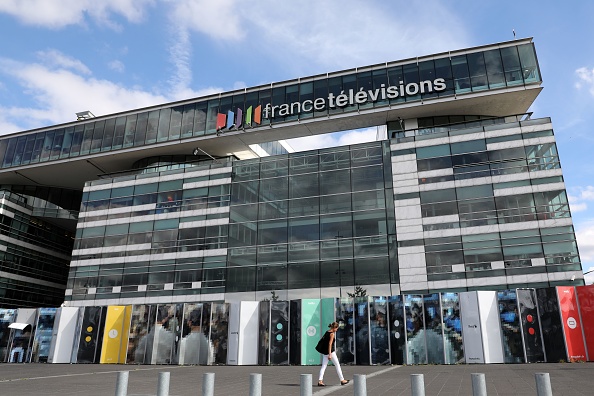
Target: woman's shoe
[[320, 383], [344, 382]]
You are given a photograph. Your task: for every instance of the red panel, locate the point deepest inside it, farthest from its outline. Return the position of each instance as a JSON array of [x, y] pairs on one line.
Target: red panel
[[586, 299], [258, 115], [221, 121], [572, 326]]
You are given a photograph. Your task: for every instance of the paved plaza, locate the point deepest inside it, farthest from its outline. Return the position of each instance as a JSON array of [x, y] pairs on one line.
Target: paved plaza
[[94, 380]]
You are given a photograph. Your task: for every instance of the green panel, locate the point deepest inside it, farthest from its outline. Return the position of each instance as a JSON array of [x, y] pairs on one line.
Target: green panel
[[328, 313], [310, 331]]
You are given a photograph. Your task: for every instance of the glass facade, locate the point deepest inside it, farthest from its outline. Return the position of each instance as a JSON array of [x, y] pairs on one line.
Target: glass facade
[[511, 65]]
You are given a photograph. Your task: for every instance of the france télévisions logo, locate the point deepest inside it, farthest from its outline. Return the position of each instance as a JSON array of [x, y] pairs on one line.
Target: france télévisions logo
[[236, 119]]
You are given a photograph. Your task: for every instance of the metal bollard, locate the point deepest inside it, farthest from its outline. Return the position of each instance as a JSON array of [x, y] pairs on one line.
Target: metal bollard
[[360, 384], [163, 384], [417, 385], [208, 384], [543, 384], [255, 384], [305, 385], [122, 384], [479, 385]]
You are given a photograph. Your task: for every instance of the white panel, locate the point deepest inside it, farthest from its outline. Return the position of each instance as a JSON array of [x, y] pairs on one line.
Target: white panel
[[437, 172], [497, 265], [490, 327], [233, 340], [404, 167], [247, 350], [537, 262], [471, 328], [467, 137], [26, 315], [458, 268], [63, 334], [432, 142]]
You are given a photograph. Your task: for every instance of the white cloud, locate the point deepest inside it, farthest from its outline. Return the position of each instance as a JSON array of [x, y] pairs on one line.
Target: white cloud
[[59, 60], [334, 139], [579, 197], [58, 14], [347, 33], [117, 66], [216, 19], [585, 79]]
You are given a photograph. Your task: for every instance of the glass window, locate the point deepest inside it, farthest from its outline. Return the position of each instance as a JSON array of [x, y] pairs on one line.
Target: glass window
[[494, 68], [369, 223], [529, 64], [438, 196], [477, 71], [271, 277], [335, 182], [275, 168], [460, 74], [272, 232], [119, 132], [433, 151], [367, 178], [334, 160], [274, 189], [304, 275], [333, 225], [369, 200], [304, 229], [151, 127], [472, 146], [303, 186], [335, 203], [272, 210], [304, 207], [511, 66]]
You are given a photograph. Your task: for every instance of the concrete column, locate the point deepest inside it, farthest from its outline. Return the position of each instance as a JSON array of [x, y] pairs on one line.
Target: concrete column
[[417, 385], [163, 384], [255, 384], [543, 384], [122, 384], [305, 385], [208, 380], [360, 384], [479, 385]]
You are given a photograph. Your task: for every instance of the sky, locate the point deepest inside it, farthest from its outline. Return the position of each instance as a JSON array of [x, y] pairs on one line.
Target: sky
[[60, 57]]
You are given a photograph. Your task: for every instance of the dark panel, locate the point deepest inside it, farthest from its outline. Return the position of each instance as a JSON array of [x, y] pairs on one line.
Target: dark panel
[[433, 328], [295, 332], [396, 322], [279, 331], [264, 333], [219, 332], [552, 327], [89, 347], [530, 324]]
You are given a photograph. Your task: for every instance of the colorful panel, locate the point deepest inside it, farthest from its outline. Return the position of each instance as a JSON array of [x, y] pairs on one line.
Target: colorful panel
[[572, 327], [117, 324], [586, 303], [221, 121], [279, 332]]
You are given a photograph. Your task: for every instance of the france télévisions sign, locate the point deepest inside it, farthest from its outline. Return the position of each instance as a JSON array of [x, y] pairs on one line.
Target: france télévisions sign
[[254, 115]]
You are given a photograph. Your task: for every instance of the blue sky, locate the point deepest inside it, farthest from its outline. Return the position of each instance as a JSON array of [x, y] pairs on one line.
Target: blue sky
[[61, 57]]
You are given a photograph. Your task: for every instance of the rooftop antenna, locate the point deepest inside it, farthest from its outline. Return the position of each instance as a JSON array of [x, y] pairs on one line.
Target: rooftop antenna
[[514, 32]]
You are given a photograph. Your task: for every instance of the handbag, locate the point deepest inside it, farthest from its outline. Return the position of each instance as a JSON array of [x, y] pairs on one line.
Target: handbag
[[322, 346]]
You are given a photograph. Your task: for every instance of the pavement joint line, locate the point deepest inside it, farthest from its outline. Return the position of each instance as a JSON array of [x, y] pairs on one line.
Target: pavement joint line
[[83, 374], [334, 388]]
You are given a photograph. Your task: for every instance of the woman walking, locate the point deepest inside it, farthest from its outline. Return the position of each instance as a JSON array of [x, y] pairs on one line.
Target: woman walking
[[327, 347]]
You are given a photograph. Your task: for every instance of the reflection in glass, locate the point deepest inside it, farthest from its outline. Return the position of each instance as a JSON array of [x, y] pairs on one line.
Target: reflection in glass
[[7, 316], [362, 331], [345, 336], [433, 329], [194, 346], [510, 325], [43, 335], [452, 328], [379, 333], [264, 333], [141, 322], [219, 332], [415, 330]]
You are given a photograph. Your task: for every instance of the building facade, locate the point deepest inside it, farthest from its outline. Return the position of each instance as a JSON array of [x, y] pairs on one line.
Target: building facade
[[200, 200]]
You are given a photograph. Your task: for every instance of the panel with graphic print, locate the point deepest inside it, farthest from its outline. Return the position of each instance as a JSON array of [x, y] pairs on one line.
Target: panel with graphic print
[[452, 328], [513, 350]]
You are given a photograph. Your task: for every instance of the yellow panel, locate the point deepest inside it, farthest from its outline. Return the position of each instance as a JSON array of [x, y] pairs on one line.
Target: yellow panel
[[112, 335]]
